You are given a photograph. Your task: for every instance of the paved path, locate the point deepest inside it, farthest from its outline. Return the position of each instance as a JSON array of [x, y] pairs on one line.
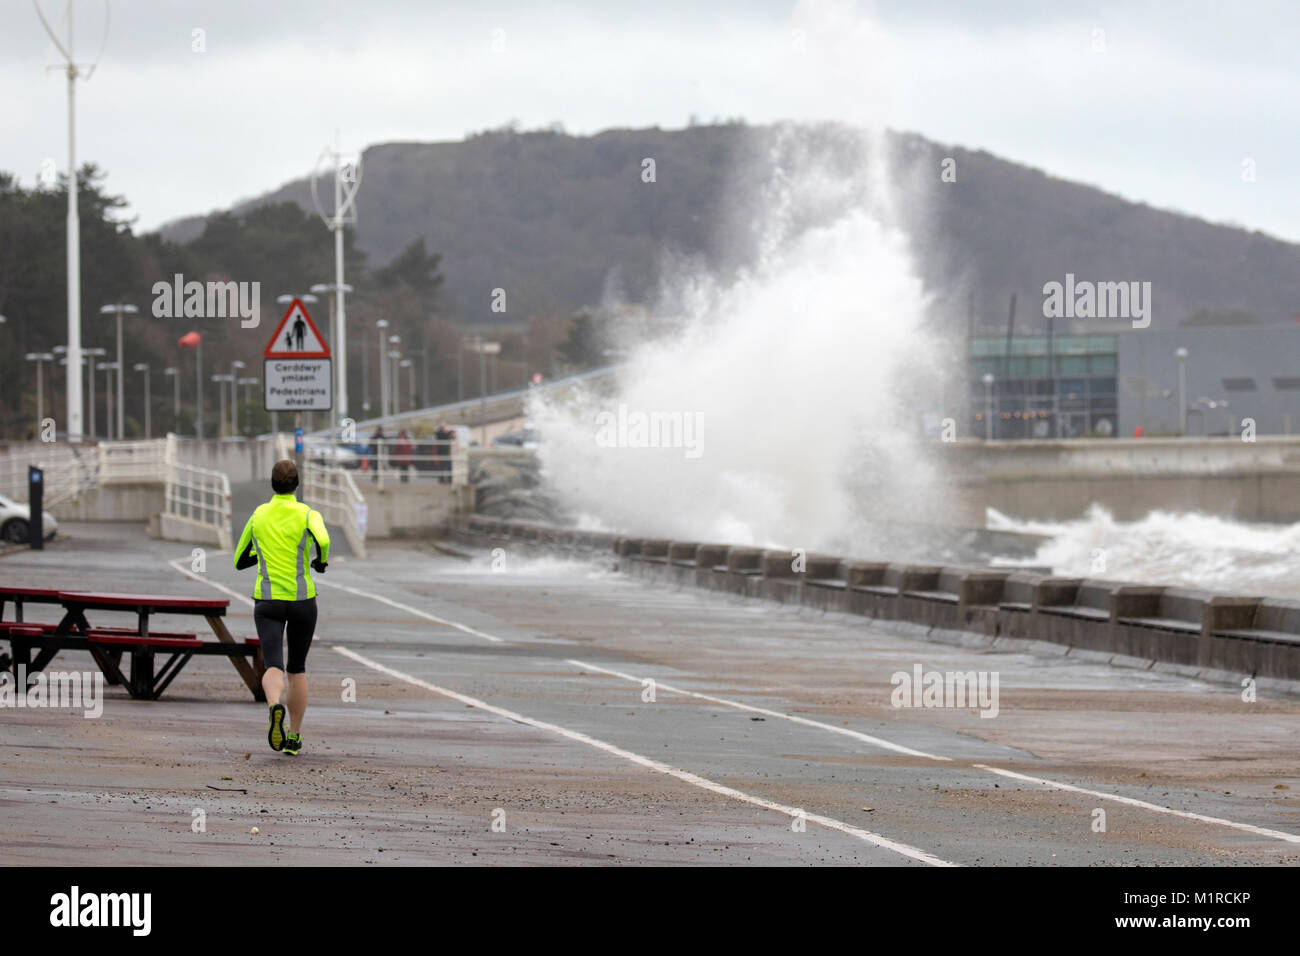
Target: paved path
[[516, 697]]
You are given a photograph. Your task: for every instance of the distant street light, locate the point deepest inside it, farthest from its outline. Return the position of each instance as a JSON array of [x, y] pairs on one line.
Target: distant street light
[[1181, 353], [108, 368], [381, 325], [394, 382], [988, 406], [119, 310], [175, 373], [40, 358], [221, 407], [340, 336], [249, 380], [410, 379], [484, 349], [234, 414], [90, 356], [148, 421]]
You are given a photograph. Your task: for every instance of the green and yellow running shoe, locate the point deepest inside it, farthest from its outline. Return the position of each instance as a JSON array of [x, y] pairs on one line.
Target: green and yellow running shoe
[[275, 732], [293, 744]]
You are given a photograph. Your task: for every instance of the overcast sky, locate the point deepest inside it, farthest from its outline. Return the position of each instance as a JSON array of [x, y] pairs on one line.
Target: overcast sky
[[1164, 105]]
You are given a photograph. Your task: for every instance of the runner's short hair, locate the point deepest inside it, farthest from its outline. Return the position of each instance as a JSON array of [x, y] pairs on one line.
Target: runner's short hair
[[284, 477]]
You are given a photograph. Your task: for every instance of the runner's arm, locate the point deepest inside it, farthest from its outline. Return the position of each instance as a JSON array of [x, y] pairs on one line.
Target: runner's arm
[[244, 556], [319, 534]]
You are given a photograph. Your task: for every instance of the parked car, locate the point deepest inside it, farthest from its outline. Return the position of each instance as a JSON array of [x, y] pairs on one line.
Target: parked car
[[15, 522], [340, 455], [526, 437]]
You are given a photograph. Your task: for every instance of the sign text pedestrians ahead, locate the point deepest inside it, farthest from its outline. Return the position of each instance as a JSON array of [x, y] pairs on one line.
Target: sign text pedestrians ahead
[[297, 372]]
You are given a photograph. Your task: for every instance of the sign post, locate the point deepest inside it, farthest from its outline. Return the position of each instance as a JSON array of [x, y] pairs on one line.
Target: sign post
[[296, 373]]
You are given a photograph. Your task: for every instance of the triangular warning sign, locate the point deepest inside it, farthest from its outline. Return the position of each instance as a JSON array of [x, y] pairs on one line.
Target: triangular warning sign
[[296, 336]]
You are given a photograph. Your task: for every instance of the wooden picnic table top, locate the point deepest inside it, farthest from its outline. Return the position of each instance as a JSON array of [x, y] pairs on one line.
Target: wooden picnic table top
[[178, 605], [31, 594]]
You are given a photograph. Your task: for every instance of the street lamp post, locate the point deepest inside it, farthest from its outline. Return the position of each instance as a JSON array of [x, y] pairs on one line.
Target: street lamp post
[[108, 369], [410, 380], [175, 373], [148, 420], [234, 413], [91, 355], [394, 385], [394, 382], [988, 406], [484, 349], [381, 325], [1181, 354], [249, 380], [40, 358], [64, 362], [339, 332], [119, 309], [221, 407]]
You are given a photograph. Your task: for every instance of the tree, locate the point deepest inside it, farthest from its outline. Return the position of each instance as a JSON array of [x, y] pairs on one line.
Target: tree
[[583, 347], [414, 267]]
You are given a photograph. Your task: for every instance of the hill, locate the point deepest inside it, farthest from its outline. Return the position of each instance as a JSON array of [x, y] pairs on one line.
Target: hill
[[555, 219]]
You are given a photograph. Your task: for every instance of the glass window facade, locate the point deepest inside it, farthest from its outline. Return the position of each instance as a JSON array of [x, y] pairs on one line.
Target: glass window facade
[[1066, 388]]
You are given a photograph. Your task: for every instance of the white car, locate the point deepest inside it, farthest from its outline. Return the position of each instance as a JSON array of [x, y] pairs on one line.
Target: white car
[[15, 521]]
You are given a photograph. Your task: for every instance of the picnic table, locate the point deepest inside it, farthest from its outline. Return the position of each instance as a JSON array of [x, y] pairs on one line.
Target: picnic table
[[107, 644]]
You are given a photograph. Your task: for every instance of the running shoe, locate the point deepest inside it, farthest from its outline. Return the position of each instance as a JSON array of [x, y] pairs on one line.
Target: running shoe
[[293, 744], [275, 731]]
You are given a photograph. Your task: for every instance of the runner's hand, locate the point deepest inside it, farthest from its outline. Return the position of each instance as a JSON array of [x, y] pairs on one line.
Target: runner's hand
[[318, 565]]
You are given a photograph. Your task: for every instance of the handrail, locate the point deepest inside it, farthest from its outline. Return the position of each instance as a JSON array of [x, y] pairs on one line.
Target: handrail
[[390, 461], [68, 472], [332, 491], [202, 496]]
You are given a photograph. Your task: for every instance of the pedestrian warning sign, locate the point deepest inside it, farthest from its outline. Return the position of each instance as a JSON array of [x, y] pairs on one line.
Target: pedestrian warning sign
[[297, 336], [297, 372]]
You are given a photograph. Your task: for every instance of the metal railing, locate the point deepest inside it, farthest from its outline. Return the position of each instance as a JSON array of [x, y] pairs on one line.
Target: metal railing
[[128, 462], [392, 461], [331, 490], [68, 471], [201, 496], [484, 408]]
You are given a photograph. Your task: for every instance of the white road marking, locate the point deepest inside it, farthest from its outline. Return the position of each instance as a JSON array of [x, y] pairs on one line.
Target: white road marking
[[413, 610], [867, 836], [1248, 827], [208, 581], [866, 738], [693, 779], [888, 745], [794, 718]]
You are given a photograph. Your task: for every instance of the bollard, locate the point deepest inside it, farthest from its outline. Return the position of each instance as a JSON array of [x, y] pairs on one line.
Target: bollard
[[35, 506]]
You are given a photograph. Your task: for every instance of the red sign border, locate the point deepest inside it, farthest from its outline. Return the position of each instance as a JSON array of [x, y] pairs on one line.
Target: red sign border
[[272, 353]]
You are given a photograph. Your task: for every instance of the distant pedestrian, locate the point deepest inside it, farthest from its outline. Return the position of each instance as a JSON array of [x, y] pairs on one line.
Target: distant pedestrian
[[403, 454], [442, 440], [375, 450]]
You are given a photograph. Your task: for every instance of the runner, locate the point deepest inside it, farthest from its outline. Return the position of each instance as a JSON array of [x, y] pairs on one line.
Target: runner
[[277, 539]]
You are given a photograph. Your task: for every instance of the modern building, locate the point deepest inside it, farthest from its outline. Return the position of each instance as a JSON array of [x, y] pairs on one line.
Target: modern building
[[1111, 384]]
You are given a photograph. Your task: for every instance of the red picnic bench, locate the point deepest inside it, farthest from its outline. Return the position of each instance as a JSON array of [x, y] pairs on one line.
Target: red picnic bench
[[107, 644]]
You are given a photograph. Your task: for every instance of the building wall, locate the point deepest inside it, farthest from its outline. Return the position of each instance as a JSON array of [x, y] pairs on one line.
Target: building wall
[[1148, 370]]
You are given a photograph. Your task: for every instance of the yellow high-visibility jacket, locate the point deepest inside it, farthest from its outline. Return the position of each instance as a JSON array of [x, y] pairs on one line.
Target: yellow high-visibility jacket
[[278, 536]]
